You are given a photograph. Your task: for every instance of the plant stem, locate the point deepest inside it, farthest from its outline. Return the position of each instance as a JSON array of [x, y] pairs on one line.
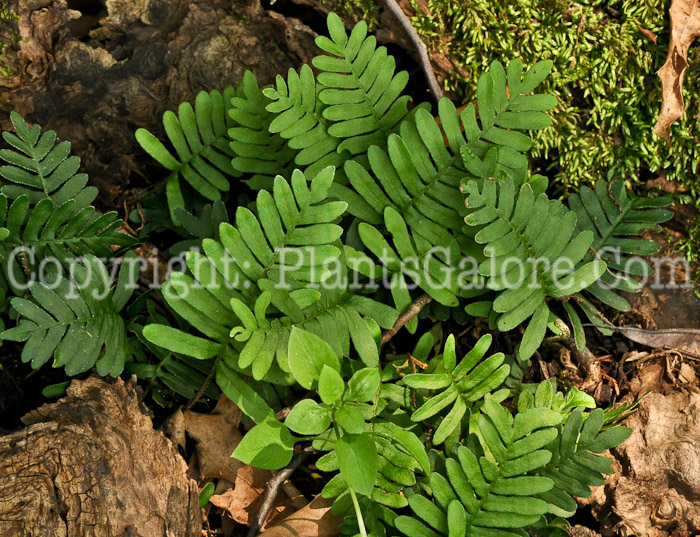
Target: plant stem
[[273, 486], [412, 310], [360, 520]]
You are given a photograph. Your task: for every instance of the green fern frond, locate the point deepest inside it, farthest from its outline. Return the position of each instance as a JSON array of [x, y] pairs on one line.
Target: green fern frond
[[417, 175], [533, 252], [574, 466], [616, 218], [400, 453], [253, 287], [60, 233], [203, 154], [362, 93], [75, 318], [258, 152], [489, 493], [459, 385], [198, 227], [40, 168], [183, 375], [298, 119]]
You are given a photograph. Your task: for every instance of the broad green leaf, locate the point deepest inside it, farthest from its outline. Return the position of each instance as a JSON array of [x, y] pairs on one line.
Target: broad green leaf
[[364, 385], [330, 385], [308, 417], [357, 459], [307, 355], [268, 445]]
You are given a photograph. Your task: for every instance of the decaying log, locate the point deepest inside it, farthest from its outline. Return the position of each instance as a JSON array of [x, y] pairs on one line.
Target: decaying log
[[96, 79], [655, 491], [91, 465]]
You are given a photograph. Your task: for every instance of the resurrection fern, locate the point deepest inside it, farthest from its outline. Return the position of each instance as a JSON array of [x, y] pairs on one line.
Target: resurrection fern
[[205, 225], [40, 168], [34, 234], [74, 318], [275, 253], [489, 492], [460, 385], [362, 93], [616, 218], [533, 252], [418, 173], [574, 466], [45, 211], [259, 153], [203, 154], [355, 102], [299, 119], [286, 302]]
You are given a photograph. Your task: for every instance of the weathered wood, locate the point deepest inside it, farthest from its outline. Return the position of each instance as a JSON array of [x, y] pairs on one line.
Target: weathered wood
[[91, 465], [95, 79]]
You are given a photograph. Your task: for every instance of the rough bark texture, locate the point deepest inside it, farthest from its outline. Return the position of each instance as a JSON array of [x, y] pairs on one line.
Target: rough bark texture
[[655, 491], [91, 465], [96, 79]]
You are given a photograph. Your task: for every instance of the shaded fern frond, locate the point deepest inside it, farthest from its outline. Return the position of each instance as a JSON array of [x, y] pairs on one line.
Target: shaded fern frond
[[40, 168], [533, 252], [400, 454], [258, 152], [574, 466], [183, 375], [76, 318], [489, 495], [616, 219], [60, 233], [460, 385], [202, 154], [204, 225]]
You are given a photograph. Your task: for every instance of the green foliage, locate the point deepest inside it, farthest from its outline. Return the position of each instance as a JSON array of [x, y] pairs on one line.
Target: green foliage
[[280, 305], [594, 46], [45, 211], [39, 168], [489, 492], [73, 319], [616, 218], [258, 151], [461, 385], [203, 154], [533, 251]]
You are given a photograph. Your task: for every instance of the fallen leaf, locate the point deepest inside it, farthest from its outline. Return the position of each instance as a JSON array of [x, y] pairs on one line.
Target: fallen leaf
[[314, 520], [216, 435], [685, 26], [684, 340]]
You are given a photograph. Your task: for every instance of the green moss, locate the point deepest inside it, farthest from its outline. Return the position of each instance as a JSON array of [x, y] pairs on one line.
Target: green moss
[[604, 78], [7, 17], [356, 10]]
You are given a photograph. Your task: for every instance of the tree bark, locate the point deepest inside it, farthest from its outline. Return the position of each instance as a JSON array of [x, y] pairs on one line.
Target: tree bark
[[91, 465]]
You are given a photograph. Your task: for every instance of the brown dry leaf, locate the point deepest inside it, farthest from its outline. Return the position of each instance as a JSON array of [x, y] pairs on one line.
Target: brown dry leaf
[[216, 436], [314, 520], [685, 26]]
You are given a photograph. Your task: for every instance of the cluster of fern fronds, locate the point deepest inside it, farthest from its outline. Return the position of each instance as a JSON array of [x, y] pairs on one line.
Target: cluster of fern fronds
[[362, 204]]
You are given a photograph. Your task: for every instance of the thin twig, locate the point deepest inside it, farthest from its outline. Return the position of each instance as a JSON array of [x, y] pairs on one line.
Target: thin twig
[[423, 57], [412, 310], [273, 486]]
